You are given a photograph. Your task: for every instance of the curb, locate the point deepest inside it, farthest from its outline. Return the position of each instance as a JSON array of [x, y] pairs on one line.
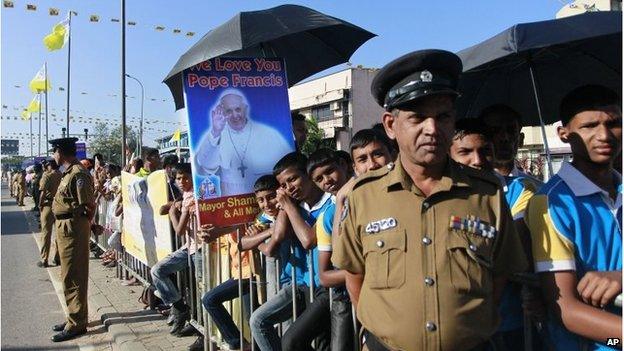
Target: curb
[[122, 337]]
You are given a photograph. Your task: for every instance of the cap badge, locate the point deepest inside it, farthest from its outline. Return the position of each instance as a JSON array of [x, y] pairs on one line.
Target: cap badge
[[426, 76]]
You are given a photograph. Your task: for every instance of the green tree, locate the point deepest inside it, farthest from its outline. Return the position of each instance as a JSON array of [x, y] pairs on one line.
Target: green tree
[[316, 138], [108, 141]]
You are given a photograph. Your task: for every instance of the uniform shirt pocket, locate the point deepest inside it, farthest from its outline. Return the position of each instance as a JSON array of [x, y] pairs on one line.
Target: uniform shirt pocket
[[469, 264], [384, 255]]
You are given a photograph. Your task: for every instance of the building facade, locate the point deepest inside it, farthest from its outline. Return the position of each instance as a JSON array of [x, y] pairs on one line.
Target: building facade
[[340, 102], [166, 146]]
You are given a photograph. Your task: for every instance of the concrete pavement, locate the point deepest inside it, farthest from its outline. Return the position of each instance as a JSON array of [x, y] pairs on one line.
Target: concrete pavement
[[32, 298]]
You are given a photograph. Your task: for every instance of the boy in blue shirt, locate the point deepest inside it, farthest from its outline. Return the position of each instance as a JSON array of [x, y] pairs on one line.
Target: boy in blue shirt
[[575, 221], [329, 172], [300, 203]]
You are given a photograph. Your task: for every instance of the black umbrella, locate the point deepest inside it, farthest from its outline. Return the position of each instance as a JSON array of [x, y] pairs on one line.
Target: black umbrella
[[542, 61], [309, 42]]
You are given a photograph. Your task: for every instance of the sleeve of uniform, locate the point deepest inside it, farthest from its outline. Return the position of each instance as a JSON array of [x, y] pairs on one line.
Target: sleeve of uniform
[[508, 256], [526, 190], [552, 250], [43, 184], [324, 228], [348, 252], [85, 192]]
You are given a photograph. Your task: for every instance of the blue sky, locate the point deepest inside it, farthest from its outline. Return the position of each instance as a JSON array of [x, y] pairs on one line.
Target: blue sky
[[401, 26]]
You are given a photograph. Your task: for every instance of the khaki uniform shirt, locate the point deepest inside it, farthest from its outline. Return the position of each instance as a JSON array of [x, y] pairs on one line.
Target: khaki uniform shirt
[[49, 185], [20, 180], [428, 273], [75, 192]]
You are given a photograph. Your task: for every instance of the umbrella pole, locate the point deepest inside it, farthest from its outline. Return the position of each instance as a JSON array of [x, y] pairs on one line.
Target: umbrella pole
[[542, 126]]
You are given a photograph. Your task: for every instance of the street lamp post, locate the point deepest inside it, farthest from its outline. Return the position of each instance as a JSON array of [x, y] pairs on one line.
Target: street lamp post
[[141, 120]]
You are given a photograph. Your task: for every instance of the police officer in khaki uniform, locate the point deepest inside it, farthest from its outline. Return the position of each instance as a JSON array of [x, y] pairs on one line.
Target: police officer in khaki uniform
[[20, 185], [427, 243], [73, 208], [47, 186]]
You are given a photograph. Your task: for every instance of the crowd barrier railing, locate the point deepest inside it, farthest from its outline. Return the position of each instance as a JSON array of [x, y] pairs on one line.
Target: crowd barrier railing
[[213, 266]]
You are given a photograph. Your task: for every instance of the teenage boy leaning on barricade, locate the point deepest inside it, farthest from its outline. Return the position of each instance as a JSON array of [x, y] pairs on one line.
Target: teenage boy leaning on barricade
[[265, 189], [371, 149], [330, 173], [575, 221], [300, 203], [180, 214]]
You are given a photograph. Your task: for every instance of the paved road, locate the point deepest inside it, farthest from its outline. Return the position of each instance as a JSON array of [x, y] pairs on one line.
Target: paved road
[[30, 305]]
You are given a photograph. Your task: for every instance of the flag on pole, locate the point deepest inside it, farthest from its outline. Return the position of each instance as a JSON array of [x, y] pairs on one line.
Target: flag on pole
[[59, 36], [38, 84], [176, 136], [34, 105], [25, 115]]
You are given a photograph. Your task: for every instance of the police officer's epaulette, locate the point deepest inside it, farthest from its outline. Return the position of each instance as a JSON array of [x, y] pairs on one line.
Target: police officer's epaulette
[[481, 175], [372, 175]]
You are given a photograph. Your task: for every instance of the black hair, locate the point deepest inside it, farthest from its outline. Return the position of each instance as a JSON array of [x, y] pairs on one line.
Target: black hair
[[345, 156], [170, 160], [37, 167], [500, 109], [296, 116], [182, 168], [293, 159], [321, 157], [52, 163], [467, 126], [584, 98], [266, 182], [137, 163], [367, 136], [113, 168], [98, 156]]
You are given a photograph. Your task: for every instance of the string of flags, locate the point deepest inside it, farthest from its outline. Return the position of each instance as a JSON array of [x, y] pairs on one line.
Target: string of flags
[[95, 18]]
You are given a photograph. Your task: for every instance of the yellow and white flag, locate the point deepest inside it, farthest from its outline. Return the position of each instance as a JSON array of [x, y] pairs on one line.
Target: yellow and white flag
[[176, 136], [38, 84], [34, 105], [25, 115], [59, 36]]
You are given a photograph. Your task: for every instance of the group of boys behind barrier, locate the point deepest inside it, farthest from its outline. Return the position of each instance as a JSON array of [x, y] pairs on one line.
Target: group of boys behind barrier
[[429, 230]]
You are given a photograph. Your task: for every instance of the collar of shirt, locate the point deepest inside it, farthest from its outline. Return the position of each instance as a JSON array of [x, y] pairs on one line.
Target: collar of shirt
[[143, 172], [502, 180], [317, 205], [72, 165], [451, 177], [582, 186]]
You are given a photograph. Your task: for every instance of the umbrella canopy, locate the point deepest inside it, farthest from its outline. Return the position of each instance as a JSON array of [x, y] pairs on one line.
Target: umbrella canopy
[[563, 54], [309, 42]]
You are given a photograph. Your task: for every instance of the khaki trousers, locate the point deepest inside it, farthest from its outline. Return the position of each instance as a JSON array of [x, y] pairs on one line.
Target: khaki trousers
[[73, 246], [47, 223]]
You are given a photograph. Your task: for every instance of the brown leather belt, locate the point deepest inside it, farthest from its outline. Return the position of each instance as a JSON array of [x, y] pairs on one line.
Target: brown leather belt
[[64, 216]]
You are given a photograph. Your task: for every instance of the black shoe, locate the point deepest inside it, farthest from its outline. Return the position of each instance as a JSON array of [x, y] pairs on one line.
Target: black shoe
[[197, 345], [59, 327], [68, 335], [171, 319], [42, 264], [179, 320], [188, 330]]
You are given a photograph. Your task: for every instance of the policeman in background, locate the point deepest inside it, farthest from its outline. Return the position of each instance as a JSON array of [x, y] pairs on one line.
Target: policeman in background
[[34, 185], [47, 186], [73, 208], [427, 243], [20, 185]]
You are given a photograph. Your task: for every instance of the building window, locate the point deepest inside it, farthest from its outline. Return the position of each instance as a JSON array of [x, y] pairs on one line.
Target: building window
[[322, 113]]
